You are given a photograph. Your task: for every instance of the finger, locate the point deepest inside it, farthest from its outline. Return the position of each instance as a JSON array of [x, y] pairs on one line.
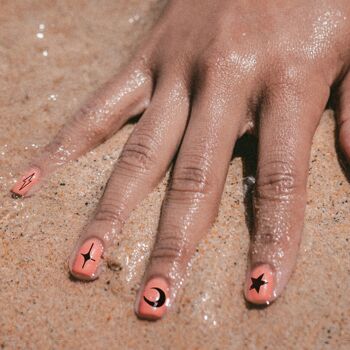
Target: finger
[[192, 200], [343, 116], [104, 113], [288, 122], [143, 162]]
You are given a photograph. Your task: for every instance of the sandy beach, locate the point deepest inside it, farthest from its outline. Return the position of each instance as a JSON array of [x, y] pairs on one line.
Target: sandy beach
[[53, 54]]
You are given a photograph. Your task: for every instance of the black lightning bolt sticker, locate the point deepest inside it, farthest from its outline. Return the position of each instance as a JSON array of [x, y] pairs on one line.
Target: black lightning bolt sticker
[[27, 181]]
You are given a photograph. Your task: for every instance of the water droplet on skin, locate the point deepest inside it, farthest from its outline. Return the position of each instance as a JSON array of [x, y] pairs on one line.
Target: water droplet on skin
[[3, 151], [280, 253], [134, 19], [40, 34], [52, 97]]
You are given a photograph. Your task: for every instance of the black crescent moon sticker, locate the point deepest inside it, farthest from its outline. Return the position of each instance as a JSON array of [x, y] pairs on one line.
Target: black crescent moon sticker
[[158, 303]]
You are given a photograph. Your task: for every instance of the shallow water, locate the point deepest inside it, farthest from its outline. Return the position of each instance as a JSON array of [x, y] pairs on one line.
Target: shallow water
[[52, 56]]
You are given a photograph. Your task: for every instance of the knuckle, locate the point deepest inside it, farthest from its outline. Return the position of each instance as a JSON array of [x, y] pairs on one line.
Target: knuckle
[[89, 118], [219, 68], [168, 247], [277, 179], [110, 212], [193, 177], [293, 78], [219, 64], [213, 63], [138, 154]]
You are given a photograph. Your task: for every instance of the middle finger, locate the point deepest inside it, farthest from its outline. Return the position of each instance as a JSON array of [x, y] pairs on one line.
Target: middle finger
[[192, 201]]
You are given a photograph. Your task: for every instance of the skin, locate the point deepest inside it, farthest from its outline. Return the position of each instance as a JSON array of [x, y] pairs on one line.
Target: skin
[[210, 72]]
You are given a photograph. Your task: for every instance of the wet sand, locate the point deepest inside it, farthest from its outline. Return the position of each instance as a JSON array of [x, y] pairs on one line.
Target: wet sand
[[53, 54]]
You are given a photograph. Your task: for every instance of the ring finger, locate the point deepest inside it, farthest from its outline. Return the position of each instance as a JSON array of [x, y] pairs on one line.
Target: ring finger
[[288, 122]]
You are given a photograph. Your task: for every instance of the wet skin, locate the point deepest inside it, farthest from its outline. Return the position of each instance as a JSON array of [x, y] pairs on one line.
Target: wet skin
[[210, 72]]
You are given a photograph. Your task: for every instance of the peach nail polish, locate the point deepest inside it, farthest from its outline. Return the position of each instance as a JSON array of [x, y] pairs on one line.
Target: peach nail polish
[[26, 182], [153, 301], [260, 285], [88, 258]]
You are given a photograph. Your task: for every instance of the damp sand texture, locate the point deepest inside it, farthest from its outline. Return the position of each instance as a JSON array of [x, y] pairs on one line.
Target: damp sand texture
[[53, 54]]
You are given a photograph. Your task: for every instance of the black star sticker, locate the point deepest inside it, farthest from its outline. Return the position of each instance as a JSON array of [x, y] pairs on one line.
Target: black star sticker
[[87, 256], [257, 283]]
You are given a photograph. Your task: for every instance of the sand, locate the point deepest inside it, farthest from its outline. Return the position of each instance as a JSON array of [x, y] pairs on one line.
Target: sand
[[53, 54]]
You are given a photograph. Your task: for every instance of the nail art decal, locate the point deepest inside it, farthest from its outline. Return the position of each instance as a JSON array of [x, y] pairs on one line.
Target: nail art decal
[[87, 256], [153, 300], [257, 283], [87, 259], [159, 302], [27, 181], [260, 284]]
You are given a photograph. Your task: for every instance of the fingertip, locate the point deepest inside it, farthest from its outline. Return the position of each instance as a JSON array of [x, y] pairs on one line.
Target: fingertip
[[260, 285], [86, 260], [153, 301], [26, 182]]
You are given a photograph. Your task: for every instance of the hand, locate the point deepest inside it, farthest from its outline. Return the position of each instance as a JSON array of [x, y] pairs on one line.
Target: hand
[[210, 72]]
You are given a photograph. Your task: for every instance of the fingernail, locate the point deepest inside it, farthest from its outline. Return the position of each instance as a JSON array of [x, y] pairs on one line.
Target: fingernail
[[260, 285], [26, 182], [154, 299], [87, 259]]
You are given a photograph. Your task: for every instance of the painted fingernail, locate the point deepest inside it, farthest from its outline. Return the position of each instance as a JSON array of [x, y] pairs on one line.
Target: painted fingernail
[[154, 299], [260, 285], [87, 259], [26, 182]]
